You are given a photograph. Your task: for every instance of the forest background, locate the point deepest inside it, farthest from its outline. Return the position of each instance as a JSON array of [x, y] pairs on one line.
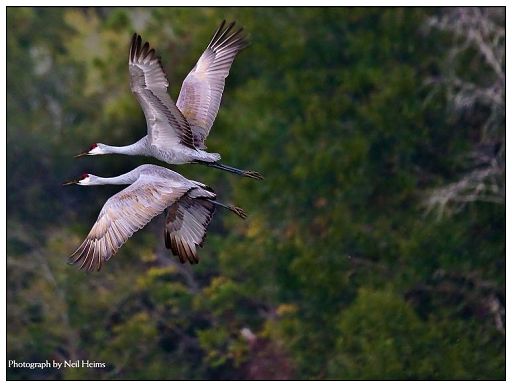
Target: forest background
[[374, 248]]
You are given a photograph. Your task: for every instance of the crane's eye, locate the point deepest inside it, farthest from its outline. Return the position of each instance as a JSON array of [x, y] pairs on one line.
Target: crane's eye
[[93, 146], [84, 176]]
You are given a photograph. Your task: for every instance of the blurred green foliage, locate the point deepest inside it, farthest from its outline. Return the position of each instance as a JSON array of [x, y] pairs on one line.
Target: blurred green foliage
[[337, 273]]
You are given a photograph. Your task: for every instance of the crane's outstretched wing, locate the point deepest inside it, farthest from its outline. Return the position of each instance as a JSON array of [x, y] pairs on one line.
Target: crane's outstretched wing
[[166, 124], [123, 214], [201, 92], [186, 224]]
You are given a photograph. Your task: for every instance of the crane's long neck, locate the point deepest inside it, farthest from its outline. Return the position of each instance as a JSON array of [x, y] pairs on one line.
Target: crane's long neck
[[138, 148], [125, 179]]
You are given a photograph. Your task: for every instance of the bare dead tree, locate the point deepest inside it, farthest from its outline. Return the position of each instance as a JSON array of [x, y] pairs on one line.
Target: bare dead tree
[[479, 33]]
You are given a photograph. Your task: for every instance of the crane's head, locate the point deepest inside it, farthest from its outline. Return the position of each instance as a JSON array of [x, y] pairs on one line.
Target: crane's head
[[94, 149], [85, 179]]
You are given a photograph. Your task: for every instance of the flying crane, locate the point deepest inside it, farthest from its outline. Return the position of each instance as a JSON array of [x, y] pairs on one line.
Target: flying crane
[[177, 132], [190, 206]]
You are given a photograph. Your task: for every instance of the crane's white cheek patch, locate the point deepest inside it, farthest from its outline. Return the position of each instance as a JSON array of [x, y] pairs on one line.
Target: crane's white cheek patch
[[95, 151], [85, 181]]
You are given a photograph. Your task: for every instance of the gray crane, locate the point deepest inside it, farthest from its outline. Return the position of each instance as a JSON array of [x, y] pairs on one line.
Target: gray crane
[[177, 132], [189, 207]]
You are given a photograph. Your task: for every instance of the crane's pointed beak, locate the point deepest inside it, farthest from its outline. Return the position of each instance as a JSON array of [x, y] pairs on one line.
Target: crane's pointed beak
[[82, 154], [71, 182]]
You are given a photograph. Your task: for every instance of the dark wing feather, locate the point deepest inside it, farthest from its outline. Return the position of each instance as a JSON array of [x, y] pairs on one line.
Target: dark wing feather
[[166, 124], [186, 224]]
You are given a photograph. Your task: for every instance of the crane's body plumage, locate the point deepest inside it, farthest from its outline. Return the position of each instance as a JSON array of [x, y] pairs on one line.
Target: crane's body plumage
[[177, 132], [152, 189]]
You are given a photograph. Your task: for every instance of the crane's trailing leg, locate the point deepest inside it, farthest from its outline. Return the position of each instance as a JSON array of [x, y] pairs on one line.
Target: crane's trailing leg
[[251, 174], [237, 210]]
